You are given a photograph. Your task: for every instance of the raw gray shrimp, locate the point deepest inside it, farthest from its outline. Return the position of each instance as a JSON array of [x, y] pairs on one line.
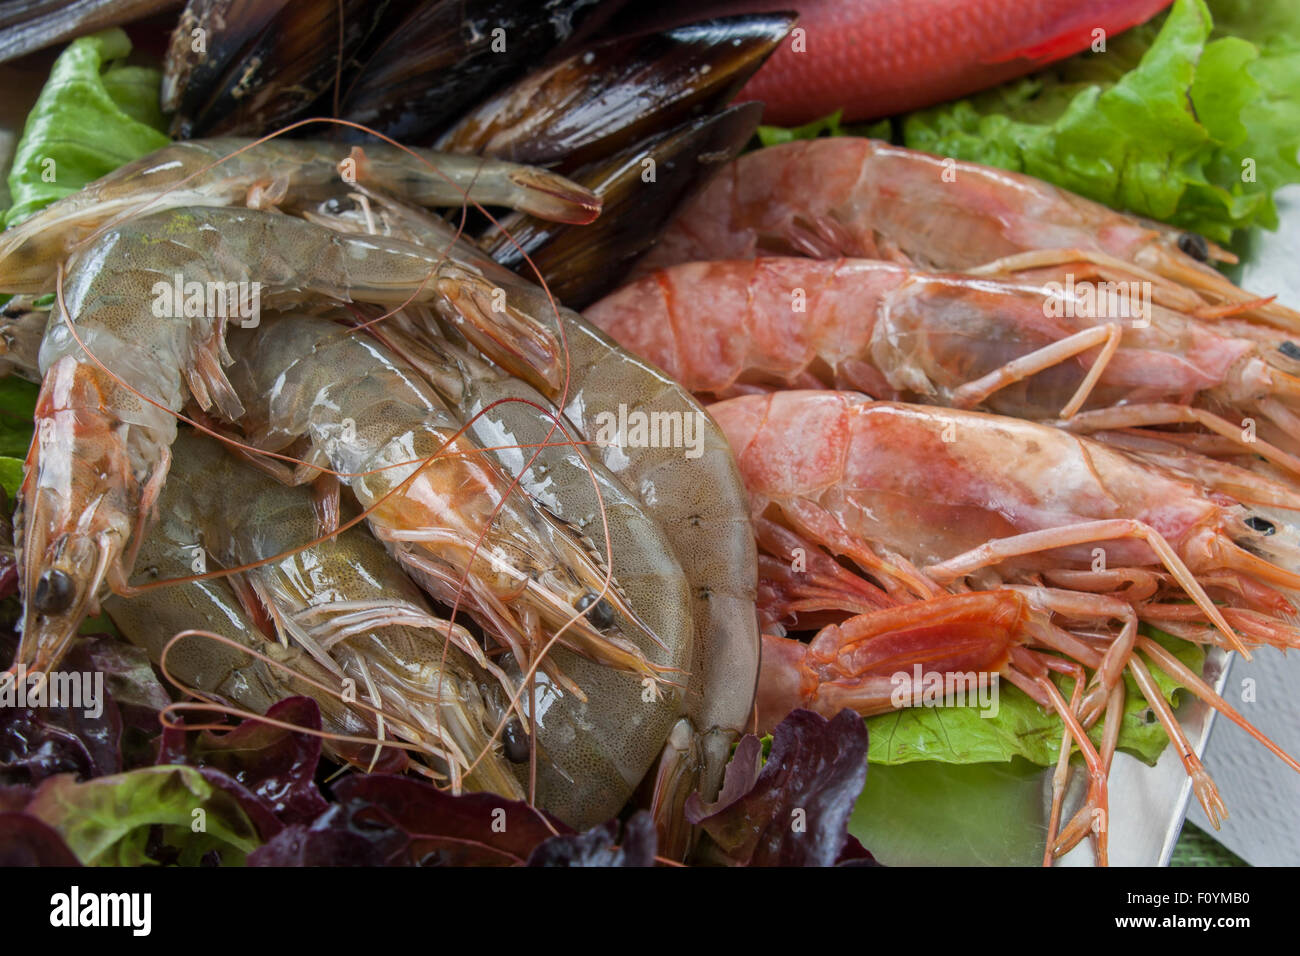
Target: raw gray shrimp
[[450, 516], [343, 609], [263, 173], [591, 752], [698, 501], [560, 478], [695, 494], [348, 602], [153, 618]]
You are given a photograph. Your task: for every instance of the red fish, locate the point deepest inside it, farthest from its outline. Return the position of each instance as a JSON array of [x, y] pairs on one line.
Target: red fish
[[875, 58]]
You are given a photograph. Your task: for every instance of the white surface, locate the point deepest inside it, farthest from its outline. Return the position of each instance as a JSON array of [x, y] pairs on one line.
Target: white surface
[[1261, 793]]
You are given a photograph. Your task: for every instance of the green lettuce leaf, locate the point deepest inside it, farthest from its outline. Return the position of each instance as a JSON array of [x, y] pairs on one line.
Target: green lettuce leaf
[[11, 475], [108, 821], [1196, 124], [959, 735], [826, 126], [17, 407], [941, 814], [92, 116]]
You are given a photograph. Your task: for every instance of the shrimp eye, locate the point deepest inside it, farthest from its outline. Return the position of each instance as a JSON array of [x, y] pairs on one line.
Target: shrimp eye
[[602, 615], [1194, 244], [1262, 525], [515, 742], [54, 592], [1290, 350], [334, 205]]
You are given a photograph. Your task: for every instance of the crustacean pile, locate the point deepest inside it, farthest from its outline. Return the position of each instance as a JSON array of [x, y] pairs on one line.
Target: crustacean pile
[[856, 409]]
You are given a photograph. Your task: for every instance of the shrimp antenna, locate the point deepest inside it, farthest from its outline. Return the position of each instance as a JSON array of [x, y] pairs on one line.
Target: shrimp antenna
[[210, 705]]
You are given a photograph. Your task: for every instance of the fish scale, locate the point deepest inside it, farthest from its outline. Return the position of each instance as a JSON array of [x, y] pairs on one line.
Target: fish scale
[[874, 58]]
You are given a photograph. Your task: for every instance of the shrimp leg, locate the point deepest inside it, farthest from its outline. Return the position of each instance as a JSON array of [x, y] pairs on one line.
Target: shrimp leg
[[1060, 778], [1092, 816], [1206, 792], [1171, 665], [1088, 532], [1107, 336], [1168, 413], [1177, 288]]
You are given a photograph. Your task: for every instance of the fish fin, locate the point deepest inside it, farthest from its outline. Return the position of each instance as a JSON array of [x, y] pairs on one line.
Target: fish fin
[[1053, 48]]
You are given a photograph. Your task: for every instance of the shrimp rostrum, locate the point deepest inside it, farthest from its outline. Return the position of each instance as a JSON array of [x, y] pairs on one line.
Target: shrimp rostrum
[[980, 538]]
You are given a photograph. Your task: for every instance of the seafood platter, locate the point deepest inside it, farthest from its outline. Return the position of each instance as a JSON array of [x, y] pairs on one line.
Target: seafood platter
[[581, 432]]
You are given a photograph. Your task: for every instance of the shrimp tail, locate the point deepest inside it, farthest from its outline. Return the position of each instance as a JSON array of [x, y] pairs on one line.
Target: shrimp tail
[[207, 379], [549, 196]]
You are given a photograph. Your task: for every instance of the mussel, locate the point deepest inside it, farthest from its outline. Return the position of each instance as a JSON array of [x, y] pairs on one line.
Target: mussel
[[605, 97], [640, 189], [30, 25], [250, 66]]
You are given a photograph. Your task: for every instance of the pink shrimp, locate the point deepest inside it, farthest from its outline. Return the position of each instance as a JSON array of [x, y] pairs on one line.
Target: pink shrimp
[[954, 492], [847, 196], [922, 500], [1032, 350]]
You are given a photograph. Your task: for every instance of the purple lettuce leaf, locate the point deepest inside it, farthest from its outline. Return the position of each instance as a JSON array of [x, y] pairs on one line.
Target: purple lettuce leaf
[[855, 854], [14, 797], [8, 573], [795, 810], [600, 845], [41, 741], [26, 841], [37, 742], [274, 765], [134, 687], [341, 836], [447, 830], [387, 820]]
